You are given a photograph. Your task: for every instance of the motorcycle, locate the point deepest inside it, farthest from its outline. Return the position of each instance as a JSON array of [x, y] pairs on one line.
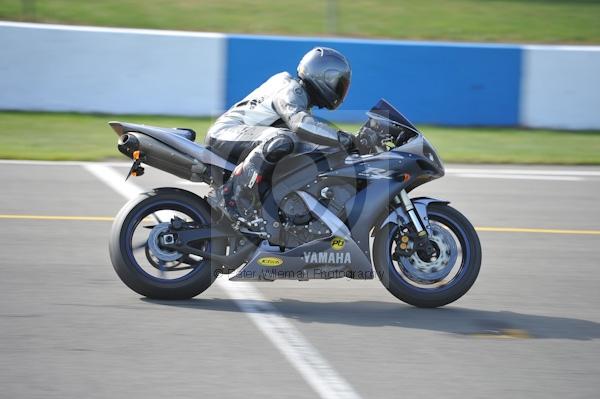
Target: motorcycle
[[327, 213]]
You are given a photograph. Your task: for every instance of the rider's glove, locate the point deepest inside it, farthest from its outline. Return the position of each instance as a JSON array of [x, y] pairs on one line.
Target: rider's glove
[[370, 140], [347, 141]]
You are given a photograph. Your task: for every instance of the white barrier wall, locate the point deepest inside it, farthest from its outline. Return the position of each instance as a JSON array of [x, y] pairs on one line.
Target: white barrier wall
[[87, 69], [560, 87]]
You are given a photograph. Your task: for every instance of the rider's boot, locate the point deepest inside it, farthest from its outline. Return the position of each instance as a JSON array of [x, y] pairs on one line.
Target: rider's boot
[[239, 197]]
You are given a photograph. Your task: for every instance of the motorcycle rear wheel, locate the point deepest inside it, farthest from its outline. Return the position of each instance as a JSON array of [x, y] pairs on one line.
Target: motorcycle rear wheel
[[143, 266]]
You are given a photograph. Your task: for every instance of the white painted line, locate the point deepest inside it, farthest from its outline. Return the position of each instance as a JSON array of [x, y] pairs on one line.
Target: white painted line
[[512, 171], [85, 28], [561, 47], [457, 172], [518, 177], [188, 183], [305, 358], [118, 183], [62, 163], [114, 180], [301, 354]]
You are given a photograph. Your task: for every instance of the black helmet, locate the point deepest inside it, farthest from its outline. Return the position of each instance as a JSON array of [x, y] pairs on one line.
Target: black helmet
[[327, 74]]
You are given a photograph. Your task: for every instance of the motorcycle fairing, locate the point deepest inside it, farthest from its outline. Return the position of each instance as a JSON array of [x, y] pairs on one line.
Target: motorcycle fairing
[[370, 204], [330, 257], [336, 255], [385, 166]]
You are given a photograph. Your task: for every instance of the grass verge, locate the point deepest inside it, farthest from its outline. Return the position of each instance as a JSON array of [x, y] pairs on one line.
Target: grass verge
[[548, 21], [58, 136]]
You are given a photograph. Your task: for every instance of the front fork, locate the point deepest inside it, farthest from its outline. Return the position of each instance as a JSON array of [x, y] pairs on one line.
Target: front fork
[[403, 200], [422, 242]]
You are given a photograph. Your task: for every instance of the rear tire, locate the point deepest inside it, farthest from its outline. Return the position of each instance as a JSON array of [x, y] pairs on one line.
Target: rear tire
[[401, 286], [128, 268]]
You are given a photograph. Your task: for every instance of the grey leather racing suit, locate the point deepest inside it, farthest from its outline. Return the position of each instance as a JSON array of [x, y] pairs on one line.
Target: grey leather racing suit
[[271, 122], [280, 106]]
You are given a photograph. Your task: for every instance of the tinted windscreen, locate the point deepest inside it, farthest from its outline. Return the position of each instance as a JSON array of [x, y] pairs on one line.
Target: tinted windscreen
[[386, 110], [386, 119]]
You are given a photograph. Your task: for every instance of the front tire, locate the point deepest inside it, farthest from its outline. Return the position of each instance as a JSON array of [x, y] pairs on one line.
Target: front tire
[[146, 272], [434, 286]]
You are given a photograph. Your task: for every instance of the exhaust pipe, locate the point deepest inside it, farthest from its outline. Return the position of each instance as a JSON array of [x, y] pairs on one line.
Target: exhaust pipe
[[162, 156], [127, 144]]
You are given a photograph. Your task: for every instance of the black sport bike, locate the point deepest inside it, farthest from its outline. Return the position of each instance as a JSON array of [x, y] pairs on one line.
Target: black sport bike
[[326, 214]]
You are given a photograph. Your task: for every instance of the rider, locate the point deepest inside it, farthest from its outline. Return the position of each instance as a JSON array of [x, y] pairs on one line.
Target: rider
[[274, 121]]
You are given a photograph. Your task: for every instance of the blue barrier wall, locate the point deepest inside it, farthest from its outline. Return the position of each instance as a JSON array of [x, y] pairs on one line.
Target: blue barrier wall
[[437, 83]]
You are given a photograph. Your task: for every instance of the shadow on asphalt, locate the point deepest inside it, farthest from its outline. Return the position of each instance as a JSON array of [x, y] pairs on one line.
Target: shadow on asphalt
[[452, 320]]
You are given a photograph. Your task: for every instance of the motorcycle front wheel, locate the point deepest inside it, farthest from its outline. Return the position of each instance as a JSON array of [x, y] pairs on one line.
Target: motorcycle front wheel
[[430, 281]]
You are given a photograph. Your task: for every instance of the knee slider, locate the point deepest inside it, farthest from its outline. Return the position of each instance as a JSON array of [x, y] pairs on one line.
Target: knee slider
[[277, 148]]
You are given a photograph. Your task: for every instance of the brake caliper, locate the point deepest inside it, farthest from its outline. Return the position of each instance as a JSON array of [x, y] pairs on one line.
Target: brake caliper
[[408, 242], [404, 243]]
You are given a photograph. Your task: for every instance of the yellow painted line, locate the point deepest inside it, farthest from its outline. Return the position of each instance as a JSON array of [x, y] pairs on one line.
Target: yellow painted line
[[490, 229], [508, 333], [538, 231], [51, 217]]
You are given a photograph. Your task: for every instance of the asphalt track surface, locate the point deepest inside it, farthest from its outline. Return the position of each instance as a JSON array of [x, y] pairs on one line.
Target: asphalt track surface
[[529, 328]]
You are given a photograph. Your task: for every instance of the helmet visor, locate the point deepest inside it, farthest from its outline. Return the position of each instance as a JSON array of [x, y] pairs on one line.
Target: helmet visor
[[341, 89]]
